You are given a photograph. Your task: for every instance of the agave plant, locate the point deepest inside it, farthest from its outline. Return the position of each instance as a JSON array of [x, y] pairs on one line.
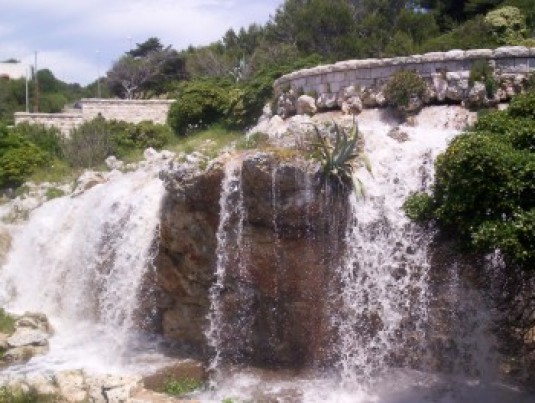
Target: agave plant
[[338, 159]]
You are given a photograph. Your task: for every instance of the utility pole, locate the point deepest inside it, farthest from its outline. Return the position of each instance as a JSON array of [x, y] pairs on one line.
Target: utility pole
[[27, 92], [36, 82]]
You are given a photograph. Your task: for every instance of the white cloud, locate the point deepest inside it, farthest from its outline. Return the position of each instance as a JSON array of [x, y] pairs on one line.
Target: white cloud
[[68, 34]]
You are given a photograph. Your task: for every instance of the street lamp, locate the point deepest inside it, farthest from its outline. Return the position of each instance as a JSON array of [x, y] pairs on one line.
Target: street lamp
[[98, 73]]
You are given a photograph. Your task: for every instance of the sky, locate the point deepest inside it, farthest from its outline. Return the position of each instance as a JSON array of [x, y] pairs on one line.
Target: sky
[[80, 39]]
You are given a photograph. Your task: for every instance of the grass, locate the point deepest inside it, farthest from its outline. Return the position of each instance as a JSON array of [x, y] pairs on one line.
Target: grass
[[180, 387], [53, 193], [7, 322], [14, 395], [210, 141], [57, 172]]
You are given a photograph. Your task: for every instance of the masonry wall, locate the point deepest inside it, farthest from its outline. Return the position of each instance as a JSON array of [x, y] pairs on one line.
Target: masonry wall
[[373, 73], [132, 111], [65, 122]]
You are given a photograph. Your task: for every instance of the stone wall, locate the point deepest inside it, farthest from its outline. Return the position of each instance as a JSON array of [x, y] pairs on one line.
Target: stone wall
[[332, 78], [355, 84], [65, 122], [132, 111]]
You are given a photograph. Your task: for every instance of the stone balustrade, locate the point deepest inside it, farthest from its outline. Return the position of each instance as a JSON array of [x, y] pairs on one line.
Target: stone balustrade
[[330, 79]]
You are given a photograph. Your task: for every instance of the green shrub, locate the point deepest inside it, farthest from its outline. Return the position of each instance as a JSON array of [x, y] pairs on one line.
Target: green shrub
[[15, 395], [18, 163], [199, 103], [7, 322], [180, 387], [485, 184], [419, 206], [127, 137], [507, 25], [47, 139], [54, 193], [403, 86], [523, 106], [89, 144], [483, 72]]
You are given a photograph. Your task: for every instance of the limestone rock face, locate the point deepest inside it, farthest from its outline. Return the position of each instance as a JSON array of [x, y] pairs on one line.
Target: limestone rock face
[[274, 299]]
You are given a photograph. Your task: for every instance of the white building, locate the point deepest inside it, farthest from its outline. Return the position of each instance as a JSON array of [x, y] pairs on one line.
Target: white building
[[12, 71]]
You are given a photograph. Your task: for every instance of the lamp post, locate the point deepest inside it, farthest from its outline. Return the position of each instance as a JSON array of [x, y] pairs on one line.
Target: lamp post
[[98, 73]]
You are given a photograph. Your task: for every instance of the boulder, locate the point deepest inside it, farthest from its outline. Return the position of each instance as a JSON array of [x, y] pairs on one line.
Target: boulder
[[27, 337], [113, 163], [16, 355], [397, 134], [326, 101], [71, 385], [477, 96], [87, 180], [306, 105]]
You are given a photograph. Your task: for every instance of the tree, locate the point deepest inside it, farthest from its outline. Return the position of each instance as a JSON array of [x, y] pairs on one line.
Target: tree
[[151, 45], [146, 71]]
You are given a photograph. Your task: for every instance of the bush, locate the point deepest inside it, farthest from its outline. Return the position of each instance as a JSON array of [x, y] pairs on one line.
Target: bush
[[47, 139], [18, 158], [127, 137], [481, 71], [419, 207], [485, 184], [199, 103], [7, 322], [89, 144], [403, 86], [523, 106]]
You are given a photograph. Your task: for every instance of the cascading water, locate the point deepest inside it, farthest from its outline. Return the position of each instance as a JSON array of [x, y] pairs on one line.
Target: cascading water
[[229, 253], [81, 260], [384, 276]]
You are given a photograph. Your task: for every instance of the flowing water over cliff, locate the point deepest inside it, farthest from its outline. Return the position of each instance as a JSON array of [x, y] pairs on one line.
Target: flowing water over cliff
[[336, 298], [81, 261], [385, 349]]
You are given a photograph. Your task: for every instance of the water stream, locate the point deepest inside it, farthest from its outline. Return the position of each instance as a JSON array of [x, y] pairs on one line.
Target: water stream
[[81, 261]]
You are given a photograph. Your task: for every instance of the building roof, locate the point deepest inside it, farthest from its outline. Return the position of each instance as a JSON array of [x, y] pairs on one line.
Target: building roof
[[12, 71]]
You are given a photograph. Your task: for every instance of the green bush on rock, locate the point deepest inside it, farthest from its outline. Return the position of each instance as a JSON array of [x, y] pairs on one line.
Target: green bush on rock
[[405, 90], [485, 185]]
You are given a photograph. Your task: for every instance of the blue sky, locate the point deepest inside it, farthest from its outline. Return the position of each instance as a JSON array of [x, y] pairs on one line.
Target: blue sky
[[78, 38]]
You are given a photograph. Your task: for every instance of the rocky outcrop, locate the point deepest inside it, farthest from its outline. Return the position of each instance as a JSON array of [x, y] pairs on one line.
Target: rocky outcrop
[[275, 294], [73, 386], [29, 339]]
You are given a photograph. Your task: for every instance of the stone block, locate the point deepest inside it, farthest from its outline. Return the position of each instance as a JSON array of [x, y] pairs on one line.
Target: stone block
[[454, 54], [478, 54], [433, 57], [511, 51]]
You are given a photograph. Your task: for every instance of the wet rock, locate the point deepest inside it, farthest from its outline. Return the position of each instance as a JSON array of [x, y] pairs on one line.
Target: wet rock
[[306, 105], [326, 101], [88, 180], [399, 135], [71, 385], [27, 337], [113, 163], [477, 96], [15, 355]]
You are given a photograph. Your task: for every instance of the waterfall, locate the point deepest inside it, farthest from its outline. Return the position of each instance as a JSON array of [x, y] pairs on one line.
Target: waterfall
[[81, 260], [384, 275], [228, 338]]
